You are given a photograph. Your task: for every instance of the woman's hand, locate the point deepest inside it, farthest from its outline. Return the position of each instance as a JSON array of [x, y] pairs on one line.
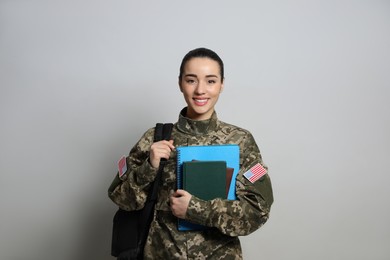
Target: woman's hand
[[179, 202], [159, 150]]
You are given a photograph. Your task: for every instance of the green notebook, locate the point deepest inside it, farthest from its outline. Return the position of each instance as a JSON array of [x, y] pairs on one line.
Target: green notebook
[[205, 179]]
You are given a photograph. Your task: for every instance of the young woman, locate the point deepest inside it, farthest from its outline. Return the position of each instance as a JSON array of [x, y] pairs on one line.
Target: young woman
[[201, 81]]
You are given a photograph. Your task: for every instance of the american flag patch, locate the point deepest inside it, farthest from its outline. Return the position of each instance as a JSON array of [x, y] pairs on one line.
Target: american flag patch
[[122, 166], [255, 173]]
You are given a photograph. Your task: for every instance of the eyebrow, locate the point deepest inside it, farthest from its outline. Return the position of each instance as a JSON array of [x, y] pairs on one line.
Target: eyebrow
[[207, 76]]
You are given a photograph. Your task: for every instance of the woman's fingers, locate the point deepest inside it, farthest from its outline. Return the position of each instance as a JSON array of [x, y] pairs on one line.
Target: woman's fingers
[[159, 150]]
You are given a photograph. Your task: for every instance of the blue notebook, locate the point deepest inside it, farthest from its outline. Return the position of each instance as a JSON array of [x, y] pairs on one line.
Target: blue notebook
[[224, 152]]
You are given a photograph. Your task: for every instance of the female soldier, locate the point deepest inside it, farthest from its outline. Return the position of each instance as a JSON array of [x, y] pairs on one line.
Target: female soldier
[[201, 81]]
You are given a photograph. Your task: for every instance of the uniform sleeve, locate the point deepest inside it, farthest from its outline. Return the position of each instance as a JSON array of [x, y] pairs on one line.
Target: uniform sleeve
[[251, 209], [130, 191]]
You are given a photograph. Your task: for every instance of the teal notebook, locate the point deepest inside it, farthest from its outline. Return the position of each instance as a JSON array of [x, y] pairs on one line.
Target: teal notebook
[[230, 153]]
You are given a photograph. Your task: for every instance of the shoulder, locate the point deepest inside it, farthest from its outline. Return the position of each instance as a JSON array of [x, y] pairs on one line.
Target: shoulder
[[234, 134], [145, 141], [148, 134]]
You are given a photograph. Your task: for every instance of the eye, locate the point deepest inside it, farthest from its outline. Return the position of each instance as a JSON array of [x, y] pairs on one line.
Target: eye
[[190, 81], [212, 81]]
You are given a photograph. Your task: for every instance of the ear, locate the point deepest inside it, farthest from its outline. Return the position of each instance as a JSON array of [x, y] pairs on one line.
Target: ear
[[179, 82], [222, 87]]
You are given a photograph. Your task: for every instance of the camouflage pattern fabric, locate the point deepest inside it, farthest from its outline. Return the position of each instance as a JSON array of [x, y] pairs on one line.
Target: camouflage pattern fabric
[[228, 219]]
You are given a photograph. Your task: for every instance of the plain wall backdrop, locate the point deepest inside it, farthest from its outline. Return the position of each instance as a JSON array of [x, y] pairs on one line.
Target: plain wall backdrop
[[80, 81]]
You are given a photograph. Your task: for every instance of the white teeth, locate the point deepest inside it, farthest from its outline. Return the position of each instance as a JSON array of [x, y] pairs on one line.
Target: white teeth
[[201, 100]]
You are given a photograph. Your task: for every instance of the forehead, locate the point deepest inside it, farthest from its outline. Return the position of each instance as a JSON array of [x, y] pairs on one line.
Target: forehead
[[202, 66]]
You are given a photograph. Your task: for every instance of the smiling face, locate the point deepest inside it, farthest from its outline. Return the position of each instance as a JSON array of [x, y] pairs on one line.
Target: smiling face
[[201, 84]]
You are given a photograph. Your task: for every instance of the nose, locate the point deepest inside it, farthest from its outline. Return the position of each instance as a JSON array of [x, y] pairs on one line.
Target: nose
[[200, 88]]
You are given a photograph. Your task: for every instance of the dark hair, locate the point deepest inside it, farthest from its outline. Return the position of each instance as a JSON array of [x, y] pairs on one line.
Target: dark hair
[[202, 53]]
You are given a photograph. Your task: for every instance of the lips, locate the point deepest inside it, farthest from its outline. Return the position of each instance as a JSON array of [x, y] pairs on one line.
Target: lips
[[200, 101]]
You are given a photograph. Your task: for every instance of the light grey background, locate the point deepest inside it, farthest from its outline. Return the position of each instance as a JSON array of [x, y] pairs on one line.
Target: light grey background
[[82, 80]]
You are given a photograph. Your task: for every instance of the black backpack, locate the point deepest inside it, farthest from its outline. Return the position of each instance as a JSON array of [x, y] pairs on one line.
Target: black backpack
[[131, 228]]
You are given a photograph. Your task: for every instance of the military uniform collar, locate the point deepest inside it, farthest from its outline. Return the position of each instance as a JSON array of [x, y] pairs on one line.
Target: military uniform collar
[[196, 127]]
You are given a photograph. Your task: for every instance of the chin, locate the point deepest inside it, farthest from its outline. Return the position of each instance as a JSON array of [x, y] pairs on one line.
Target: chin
[[201, 110]]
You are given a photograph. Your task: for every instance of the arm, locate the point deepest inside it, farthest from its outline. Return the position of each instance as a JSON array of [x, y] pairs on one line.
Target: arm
[[244, 215], [130, 191]]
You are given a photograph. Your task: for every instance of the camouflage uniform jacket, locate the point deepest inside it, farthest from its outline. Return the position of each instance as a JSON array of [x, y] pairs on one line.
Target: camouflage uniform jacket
[[228, 219]]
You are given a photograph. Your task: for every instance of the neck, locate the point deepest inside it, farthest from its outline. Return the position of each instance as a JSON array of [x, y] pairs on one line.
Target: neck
[[195, 116]]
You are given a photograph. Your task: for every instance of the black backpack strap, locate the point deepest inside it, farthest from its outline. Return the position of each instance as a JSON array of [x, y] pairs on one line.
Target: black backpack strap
[[167, 131], [165, 135], [158, 132], [162, 132]]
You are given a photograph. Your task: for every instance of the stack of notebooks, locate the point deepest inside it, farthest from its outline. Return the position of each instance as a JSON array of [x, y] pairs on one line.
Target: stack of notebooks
[[207, 172]]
